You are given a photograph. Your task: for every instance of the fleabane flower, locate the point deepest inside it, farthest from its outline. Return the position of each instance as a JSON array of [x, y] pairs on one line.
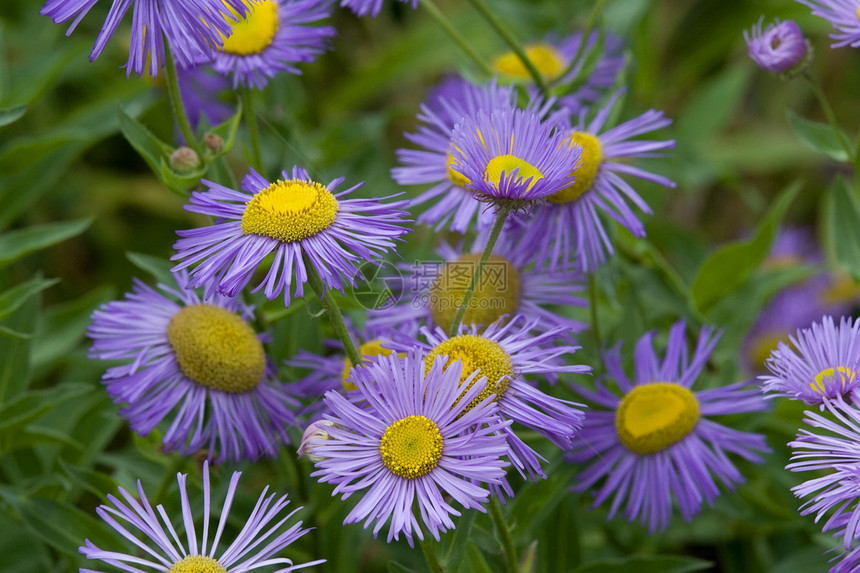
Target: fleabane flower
[[823, 362], [407, 437], [158, 541], [511, 155], [372, 7], [192, 28], [656, 442], [509, 285], [299, 221], [569, 222], [845, 17], [446, 106], [273, 37], [198, 362], [779, 48], [504, 353], [559, 61]]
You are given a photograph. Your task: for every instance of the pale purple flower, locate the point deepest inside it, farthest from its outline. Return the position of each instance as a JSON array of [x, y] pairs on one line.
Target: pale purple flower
[[844, 16], [778, 48]]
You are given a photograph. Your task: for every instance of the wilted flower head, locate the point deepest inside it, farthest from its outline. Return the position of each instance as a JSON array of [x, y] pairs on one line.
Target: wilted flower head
[[779, 48]]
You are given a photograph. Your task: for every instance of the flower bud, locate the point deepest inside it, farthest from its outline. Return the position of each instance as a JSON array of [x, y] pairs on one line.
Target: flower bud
[[184, 160], [213, 143], [780, 48], [314, 432]]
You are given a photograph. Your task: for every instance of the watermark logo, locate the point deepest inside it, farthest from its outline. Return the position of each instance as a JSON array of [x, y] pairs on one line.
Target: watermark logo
[[380, 288]]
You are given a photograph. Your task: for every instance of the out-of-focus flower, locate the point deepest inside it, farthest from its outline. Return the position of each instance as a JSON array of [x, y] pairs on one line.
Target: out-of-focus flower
[[780, 47], [372, 7], [845, 17]]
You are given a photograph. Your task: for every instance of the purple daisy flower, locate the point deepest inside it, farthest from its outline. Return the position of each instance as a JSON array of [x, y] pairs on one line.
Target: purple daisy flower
[[569, 220], [845, 17], [779, 48], [451, 102], [159, 547], [197, 360], [655, 442], [825, 363], [372, 7], [554, 59], [273, 37], [192, 28], [510, 154], [509, 285], [408, 437], [302, 222], [504, 353]]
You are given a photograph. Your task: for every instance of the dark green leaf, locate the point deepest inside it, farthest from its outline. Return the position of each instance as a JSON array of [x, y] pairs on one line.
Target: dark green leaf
[[16, 244], [11, 114], [395, 567], [35, 436], [817, 136], [15, 363], [728, 268], [655, 564], [13, 298], [157, 267], [27, 407], [97, 483], [713, 106], [457, 551], [150, 148], [843, 228], [227, 132]]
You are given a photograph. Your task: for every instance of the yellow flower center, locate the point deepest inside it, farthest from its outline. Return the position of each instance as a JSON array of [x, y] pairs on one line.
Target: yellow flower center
[[545, 58], [367, 350], [763, 345], [841, 290], [197, 564], [476, 352], [411, 447], [255, 32], [216, 348], [506, 164], [652, 417], [290, 211], [846, 374], [497, 293], [585, 170], [455, 176]]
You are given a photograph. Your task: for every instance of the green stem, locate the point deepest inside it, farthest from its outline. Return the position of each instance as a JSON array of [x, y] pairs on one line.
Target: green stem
[[176, 463], [440, 18], [504, 535], [476, 276], [592, 301], [589, 26], [828, 113], [333, 312], [253, 128], [511, 41], [176, 104], [428, 550]]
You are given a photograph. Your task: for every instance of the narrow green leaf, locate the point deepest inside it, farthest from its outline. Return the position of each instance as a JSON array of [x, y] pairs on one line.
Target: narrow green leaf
[[29, 406], [157, 267], [12, 114], [16, 244], [97, 483], [843, 228], [36, 436], [150, 148], [713, 106], [817, 136], [227, 132], [730, 266], [457, 551], [652, 564], [395, 567], [13, 298], [15, 363]]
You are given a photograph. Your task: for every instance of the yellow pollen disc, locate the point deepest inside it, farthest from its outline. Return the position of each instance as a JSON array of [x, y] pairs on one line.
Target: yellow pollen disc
[[652, 417], [197, 564], [253, 33], [586, 168], [497, 293], [545, 58], [366, 350], [858, 12], [506, 164], [290, 211], [476, 352], [411, 447], [456, 177], [763, 345], [846, 375], [216, 348]]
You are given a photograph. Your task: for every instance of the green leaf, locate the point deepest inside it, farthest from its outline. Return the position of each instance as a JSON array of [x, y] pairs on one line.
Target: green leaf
[[180, 183], [713, 106], [29, 406], [16, 244], [13, 298], [12, 114], [395, 567], [227, 132], [157, 267], [15, 363], [150, 148], [843, 227], [655, 564], [730, 266], [457, 551], [97, 483], [817, 136], [35, 436]]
